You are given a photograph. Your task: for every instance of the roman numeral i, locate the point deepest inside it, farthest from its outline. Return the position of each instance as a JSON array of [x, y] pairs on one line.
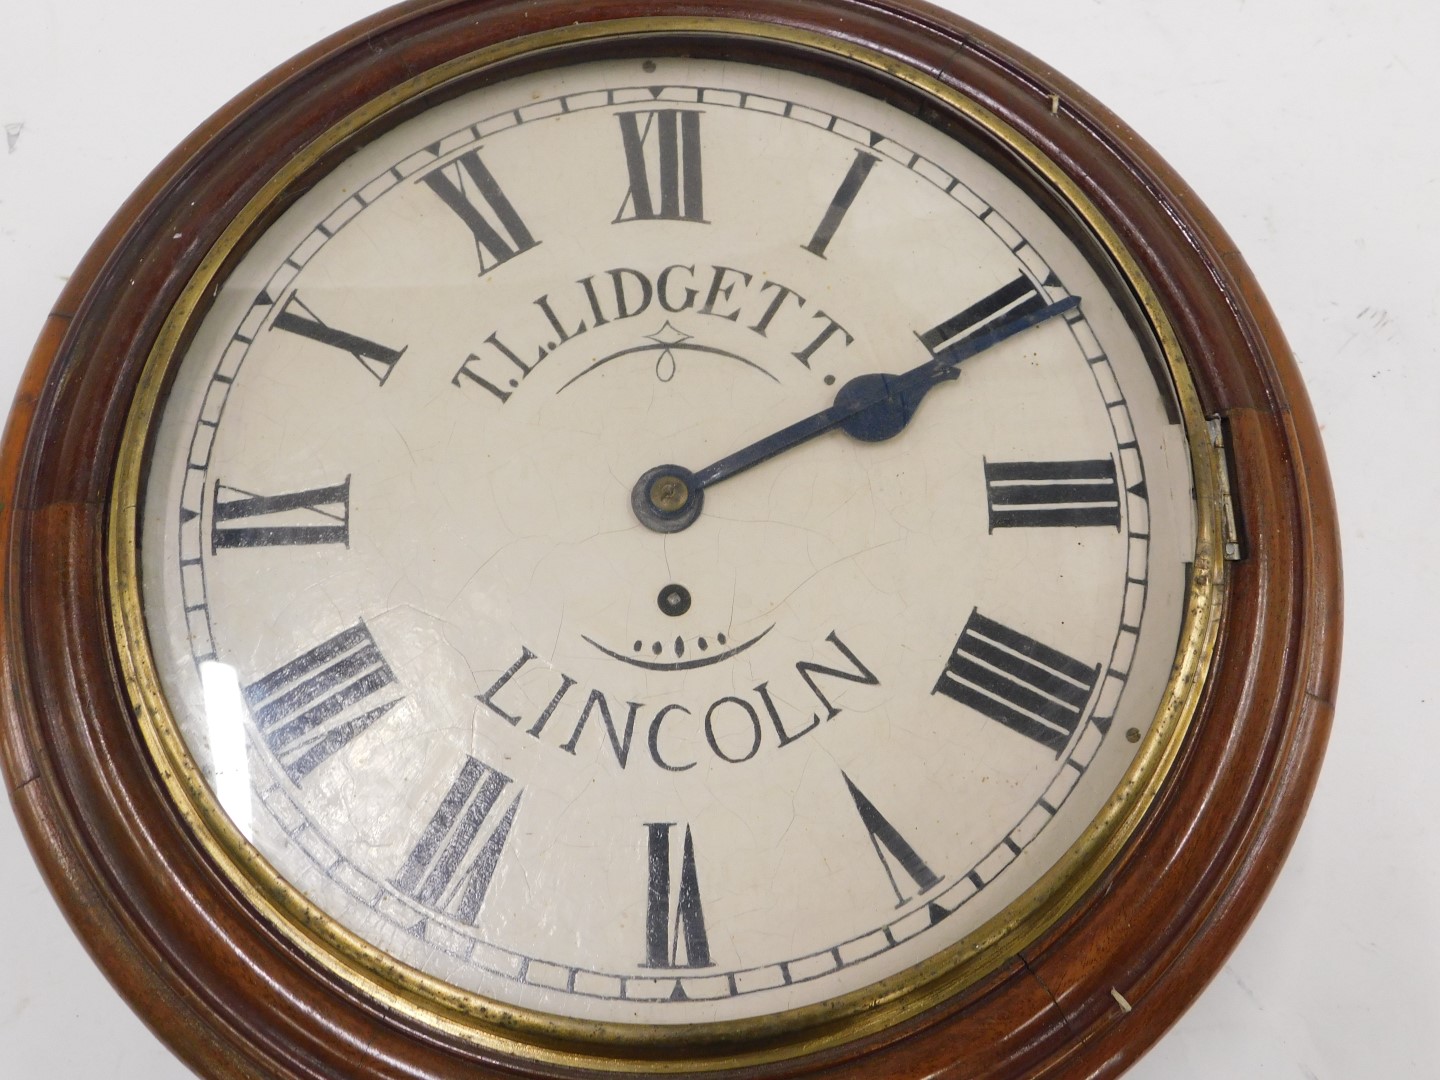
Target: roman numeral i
[[840, 204]]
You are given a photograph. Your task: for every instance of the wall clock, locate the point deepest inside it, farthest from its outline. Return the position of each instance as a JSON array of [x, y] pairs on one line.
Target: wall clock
[[764, 538]]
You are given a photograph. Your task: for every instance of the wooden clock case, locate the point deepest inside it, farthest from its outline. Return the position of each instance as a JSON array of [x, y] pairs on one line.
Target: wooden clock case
[[233, 999]]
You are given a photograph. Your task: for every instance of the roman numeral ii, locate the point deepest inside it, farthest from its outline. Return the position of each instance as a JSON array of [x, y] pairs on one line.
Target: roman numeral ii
[[1015, 300]]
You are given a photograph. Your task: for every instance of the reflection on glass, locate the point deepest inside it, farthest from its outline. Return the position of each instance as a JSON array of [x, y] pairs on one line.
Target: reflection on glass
[[225, 721]]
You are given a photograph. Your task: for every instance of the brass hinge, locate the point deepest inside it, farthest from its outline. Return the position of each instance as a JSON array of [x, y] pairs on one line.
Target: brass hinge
[[1228, 520]]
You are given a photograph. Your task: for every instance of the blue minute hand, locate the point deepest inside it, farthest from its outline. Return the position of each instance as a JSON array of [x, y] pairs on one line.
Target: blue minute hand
[[878, 407]]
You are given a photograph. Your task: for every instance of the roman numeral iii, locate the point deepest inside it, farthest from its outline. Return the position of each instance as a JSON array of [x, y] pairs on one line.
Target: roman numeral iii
[[468, 187], [1032, 689], [309, 709], [664, 936], [377, 360], [242, 519], [1049, 494], [452, 864], [662, 160]]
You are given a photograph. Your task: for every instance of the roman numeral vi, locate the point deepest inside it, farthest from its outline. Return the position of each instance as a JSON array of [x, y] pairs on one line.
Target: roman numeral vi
[[664, 936]]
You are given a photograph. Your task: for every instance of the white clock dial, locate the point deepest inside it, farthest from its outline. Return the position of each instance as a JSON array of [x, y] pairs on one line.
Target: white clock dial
[[463, 689]]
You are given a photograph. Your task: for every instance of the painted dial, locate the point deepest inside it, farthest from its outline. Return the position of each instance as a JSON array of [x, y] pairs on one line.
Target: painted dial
[[552, 591]]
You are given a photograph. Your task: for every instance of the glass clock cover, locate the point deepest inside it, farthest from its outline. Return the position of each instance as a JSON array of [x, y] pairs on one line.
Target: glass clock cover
[[667, 541]]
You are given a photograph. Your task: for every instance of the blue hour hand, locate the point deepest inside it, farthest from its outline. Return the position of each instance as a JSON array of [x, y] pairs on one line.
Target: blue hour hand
[[871, 407]]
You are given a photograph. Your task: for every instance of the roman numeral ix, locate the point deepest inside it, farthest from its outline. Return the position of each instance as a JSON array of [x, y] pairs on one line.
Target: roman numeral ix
[[1032, 689], [662, 159], [452, 864], [468, 187], [242, 519], [309, 709]]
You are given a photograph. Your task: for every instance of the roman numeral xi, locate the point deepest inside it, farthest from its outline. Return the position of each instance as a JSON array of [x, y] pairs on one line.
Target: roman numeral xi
[[1030, 688], [317, 704], [467, 186]]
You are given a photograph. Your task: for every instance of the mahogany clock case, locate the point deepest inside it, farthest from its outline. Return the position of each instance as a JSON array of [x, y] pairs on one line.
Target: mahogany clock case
[[233, 999]]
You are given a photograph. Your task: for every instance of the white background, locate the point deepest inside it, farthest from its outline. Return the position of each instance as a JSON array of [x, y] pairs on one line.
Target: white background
[[1308, 126]]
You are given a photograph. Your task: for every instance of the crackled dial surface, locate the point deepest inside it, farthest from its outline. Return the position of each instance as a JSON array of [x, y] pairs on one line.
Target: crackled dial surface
[[445, 675]]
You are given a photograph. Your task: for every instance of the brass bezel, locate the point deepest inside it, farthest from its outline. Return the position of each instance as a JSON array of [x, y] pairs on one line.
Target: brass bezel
[[634, 1048]]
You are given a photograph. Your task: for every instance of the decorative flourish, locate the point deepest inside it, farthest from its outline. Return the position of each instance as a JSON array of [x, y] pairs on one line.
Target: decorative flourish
[[667, 337], [679, 647], [667, 341]]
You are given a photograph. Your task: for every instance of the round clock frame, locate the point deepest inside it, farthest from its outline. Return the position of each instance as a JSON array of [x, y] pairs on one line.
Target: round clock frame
[[235, 998]]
